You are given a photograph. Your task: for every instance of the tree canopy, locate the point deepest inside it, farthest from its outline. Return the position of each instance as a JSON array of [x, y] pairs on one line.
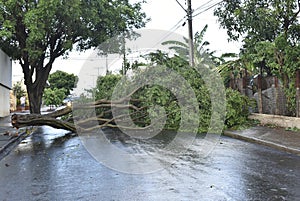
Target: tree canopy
[[53, 96], [37, 32], [182, 48], [270, 32], [259, 20], [62, 80]]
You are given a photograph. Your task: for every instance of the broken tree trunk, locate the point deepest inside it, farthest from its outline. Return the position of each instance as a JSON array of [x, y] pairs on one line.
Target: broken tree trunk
[[19, 121], [103, 118]]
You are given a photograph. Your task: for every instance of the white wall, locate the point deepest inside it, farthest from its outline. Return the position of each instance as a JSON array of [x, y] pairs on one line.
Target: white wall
[[5, 79]]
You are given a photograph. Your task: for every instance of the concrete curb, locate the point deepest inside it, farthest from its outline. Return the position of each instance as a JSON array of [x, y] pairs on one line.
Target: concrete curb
[[11, 144], [280, 147]]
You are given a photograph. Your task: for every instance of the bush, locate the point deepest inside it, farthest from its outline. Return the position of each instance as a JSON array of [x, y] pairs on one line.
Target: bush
[[105, 86], [53, 96], [237, 108]]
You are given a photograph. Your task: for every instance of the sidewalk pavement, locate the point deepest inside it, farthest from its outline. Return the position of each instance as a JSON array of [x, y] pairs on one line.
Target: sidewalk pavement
[[278, 138], [5, 131], [8, 138]]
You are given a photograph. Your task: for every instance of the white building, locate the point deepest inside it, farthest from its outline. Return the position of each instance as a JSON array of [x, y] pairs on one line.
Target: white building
[[5, 83]]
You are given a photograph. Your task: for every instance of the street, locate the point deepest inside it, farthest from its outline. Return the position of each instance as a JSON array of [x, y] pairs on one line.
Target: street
[[51, 167]]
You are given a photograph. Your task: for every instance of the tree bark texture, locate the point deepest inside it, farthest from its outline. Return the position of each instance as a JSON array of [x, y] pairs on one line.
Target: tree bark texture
[[83, 122]]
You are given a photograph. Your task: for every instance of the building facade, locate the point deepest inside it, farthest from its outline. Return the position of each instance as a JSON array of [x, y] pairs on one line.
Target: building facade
[[5, 83]]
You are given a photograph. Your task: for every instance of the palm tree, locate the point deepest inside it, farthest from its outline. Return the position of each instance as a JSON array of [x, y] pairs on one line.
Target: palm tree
[[182, 48]]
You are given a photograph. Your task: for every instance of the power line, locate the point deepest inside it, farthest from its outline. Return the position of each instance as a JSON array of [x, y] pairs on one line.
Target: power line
[[87, 59], [207, 9], [181, 5], [178, 24], [203, 5], [173, 29]]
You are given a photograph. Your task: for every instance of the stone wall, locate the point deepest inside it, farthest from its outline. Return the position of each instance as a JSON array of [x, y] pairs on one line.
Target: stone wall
[[269, 102]]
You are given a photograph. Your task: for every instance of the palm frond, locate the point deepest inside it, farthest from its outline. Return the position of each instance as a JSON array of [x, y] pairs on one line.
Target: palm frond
[[175, 43]]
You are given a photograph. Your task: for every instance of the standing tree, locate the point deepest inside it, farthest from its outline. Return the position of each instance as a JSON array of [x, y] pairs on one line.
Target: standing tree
[[200, 48], [37, 32], [182, 48], [259, 23], [18, 91], [62, 80], [270, 31], [53, 97]]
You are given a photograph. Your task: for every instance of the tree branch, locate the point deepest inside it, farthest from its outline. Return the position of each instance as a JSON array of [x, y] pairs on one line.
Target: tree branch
[[105, 119]]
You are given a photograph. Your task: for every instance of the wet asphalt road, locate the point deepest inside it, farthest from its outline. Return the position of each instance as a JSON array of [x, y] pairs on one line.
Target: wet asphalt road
[[47, 167]]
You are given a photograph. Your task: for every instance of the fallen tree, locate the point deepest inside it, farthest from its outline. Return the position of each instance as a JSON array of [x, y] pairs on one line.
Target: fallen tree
[[81, 119], [138, 103]]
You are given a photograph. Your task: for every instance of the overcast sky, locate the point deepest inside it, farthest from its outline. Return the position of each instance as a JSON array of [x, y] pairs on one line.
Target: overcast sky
[[165, 15]]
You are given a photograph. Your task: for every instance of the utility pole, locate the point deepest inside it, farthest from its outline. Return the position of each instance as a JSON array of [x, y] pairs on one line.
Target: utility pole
[[189, 12], [191, 36]]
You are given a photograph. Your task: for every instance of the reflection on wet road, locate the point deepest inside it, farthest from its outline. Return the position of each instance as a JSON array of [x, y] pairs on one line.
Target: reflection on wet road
[[50, 167]]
